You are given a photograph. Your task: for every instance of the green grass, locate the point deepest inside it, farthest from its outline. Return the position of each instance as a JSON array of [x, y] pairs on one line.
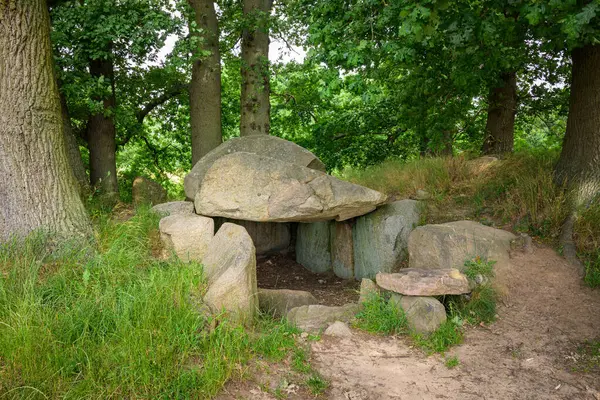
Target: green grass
[[380, 316], [110, 321], [316, 384], [479, 266], [447, 335], [587, 357], [452, 362]]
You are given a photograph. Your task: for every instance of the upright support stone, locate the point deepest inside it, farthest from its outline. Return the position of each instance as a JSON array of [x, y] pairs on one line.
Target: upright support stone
[[312, 246], [268, 237], [381, 237], [188, 235], [342, 249]]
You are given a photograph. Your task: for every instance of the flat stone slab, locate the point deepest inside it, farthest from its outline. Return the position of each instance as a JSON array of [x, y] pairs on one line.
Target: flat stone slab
[[278, 302], [424, 282], [313, 318], [258, 188]]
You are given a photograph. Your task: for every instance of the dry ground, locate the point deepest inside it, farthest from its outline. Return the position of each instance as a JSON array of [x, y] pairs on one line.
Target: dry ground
[[527, 353]]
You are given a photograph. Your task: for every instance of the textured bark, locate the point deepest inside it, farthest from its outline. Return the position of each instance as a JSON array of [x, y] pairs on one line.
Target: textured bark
[[205, 88], [37, 187], [500, 126], [73, 153], [255, 69], [101, 135], [579, 162]]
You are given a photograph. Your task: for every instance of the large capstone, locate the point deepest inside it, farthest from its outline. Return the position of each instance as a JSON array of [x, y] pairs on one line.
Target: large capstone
[[264, 145], [449, 245], [257, 188], [188, 235], [381, 237], [230, 269]]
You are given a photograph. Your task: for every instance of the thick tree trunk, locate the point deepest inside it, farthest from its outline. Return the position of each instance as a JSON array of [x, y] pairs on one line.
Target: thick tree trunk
[[579, 162], [101, 135], [255, 118], [500, 126], [37, 187], [73, 153], [205, 88]]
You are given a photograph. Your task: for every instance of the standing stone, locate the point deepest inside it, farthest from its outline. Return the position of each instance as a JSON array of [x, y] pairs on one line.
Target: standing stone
[[312, 246], [188, 235], [342, 249], [381, 237], [230, 269], [264, 145], [424, 282], [147, 191], [174, 207], [423, 314], [278, 302], [268, 237], [449, 245]]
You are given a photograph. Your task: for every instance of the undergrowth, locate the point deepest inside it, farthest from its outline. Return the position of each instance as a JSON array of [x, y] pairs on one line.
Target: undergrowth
[[379, 315], [110, 321]]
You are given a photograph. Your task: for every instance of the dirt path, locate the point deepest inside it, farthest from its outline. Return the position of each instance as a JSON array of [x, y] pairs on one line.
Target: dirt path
[[525, 354]]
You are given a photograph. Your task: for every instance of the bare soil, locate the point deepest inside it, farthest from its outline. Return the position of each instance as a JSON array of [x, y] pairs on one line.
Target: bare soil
[[530, 352]]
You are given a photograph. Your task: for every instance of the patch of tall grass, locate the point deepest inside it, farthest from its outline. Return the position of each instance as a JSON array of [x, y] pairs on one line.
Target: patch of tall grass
[[110, 321]]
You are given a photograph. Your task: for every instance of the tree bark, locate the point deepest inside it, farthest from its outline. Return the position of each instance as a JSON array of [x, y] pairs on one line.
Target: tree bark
[[205, 88], [255, 117], [37, 187], [73, 153], [579, 163], [500, 126], [101, 134]]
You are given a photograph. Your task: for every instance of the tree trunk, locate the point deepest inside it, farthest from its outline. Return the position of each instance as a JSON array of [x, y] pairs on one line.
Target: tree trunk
[[255, 69], [101, 135], [205, 88], [579, 162], [37, 187], [73, 153], [500, 126]]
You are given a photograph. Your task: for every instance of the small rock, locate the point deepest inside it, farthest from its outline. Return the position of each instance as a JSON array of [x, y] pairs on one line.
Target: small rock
[[424, 282], [339, 329], [368, 288], [315, 317], [523, 243], [422, 195], [147, 191], [322, 282], [278, 302], [424, 314]]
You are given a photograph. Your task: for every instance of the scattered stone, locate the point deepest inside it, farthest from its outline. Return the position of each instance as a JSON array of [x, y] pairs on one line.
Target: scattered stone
[[268, 237], [277, 302], [368, 288], [422, 195], [188, 235], [522, 243], [147, 191], [174, 207], [230, 268], [381, 237], [339, 329], [264, 145], [258, 188], [342, 249], [423, 314], [424, 282], [449, 245], [312, 246], [315, 317]]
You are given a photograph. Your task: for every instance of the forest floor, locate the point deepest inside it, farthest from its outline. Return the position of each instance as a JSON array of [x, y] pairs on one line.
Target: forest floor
[[532, 351]]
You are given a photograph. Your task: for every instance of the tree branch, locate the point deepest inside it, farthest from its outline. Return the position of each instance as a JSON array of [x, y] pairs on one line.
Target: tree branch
[[174, 91]]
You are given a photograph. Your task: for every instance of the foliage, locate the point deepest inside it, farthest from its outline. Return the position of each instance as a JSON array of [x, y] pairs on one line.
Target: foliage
[[109, 320], [381, 316], [448, 334], [479, 308], [479, 266], [452, 362]]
